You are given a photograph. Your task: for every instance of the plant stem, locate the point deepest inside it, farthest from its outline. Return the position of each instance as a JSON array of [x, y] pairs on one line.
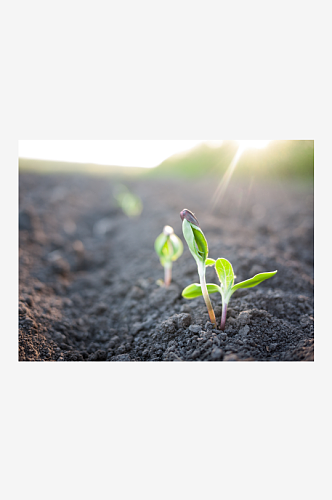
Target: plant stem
[[223, 315], [167, 274], [207, 299]]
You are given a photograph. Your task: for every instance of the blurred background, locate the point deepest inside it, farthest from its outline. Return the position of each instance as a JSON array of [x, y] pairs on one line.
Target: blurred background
[[263, 159]]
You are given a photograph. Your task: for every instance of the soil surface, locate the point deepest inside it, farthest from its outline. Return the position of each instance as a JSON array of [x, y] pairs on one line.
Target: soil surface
[[88, 272]]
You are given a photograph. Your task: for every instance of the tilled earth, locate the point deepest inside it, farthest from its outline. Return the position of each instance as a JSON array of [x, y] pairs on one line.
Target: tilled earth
[[88, 272]]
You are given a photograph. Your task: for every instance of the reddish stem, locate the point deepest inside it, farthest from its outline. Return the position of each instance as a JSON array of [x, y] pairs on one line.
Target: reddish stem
[[167, 275], [223, 316], [207, 300]]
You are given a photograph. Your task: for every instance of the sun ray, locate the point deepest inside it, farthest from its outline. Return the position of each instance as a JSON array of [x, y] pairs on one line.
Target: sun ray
[[223, 184]]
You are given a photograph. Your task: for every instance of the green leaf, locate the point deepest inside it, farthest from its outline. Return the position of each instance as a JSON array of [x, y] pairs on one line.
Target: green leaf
[[165, 261], [159, 243], [201, 242], [256, 280], [213, 288], [177, 246], [196, 241], [195, 290], [189, 237], [168, 246], [225, 273], [210, 262]]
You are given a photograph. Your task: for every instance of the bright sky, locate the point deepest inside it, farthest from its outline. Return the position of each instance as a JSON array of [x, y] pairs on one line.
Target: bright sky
[[135, 153]]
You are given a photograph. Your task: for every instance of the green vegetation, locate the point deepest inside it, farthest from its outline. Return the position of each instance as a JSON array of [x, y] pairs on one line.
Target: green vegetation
[[279, 159], [169, 248], [226, 289], [65, 167], [198, 247]]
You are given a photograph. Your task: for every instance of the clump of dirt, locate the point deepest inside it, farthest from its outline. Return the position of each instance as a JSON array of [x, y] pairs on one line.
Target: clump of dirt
[[88, 272]]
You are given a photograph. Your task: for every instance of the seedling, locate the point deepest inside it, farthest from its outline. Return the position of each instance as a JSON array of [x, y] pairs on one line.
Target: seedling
[[130, 203], [226, 289], [198, 247], [169, 247]]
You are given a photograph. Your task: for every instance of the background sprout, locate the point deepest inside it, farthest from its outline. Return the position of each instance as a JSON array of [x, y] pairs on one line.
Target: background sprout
[[226, 289], [169, 247], [129, 203], [198, 247]]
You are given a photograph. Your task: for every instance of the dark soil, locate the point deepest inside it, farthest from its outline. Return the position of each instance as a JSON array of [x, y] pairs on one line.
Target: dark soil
[[88, 272]]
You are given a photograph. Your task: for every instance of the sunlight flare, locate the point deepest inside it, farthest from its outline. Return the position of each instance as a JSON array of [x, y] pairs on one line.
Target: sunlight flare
[[223, 184]]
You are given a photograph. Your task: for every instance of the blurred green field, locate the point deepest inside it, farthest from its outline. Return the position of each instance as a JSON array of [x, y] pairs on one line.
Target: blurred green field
[[62, 167], [283, 159]]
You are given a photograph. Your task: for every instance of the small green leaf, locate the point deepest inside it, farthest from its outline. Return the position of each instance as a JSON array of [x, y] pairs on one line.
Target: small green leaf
[[256, 280], [196, 241], [195, 290], [164, 261], [225, 273], [210, 262], [159, 243], [189, 237], [213, 288], [168, 246], [201, 242], [177, 246]]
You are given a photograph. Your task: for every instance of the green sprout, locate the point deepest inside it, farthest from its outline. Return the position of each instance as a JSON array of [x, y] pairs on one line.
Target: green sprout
[[130, 204], [226, 289], [169, 247], [198, 247]]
